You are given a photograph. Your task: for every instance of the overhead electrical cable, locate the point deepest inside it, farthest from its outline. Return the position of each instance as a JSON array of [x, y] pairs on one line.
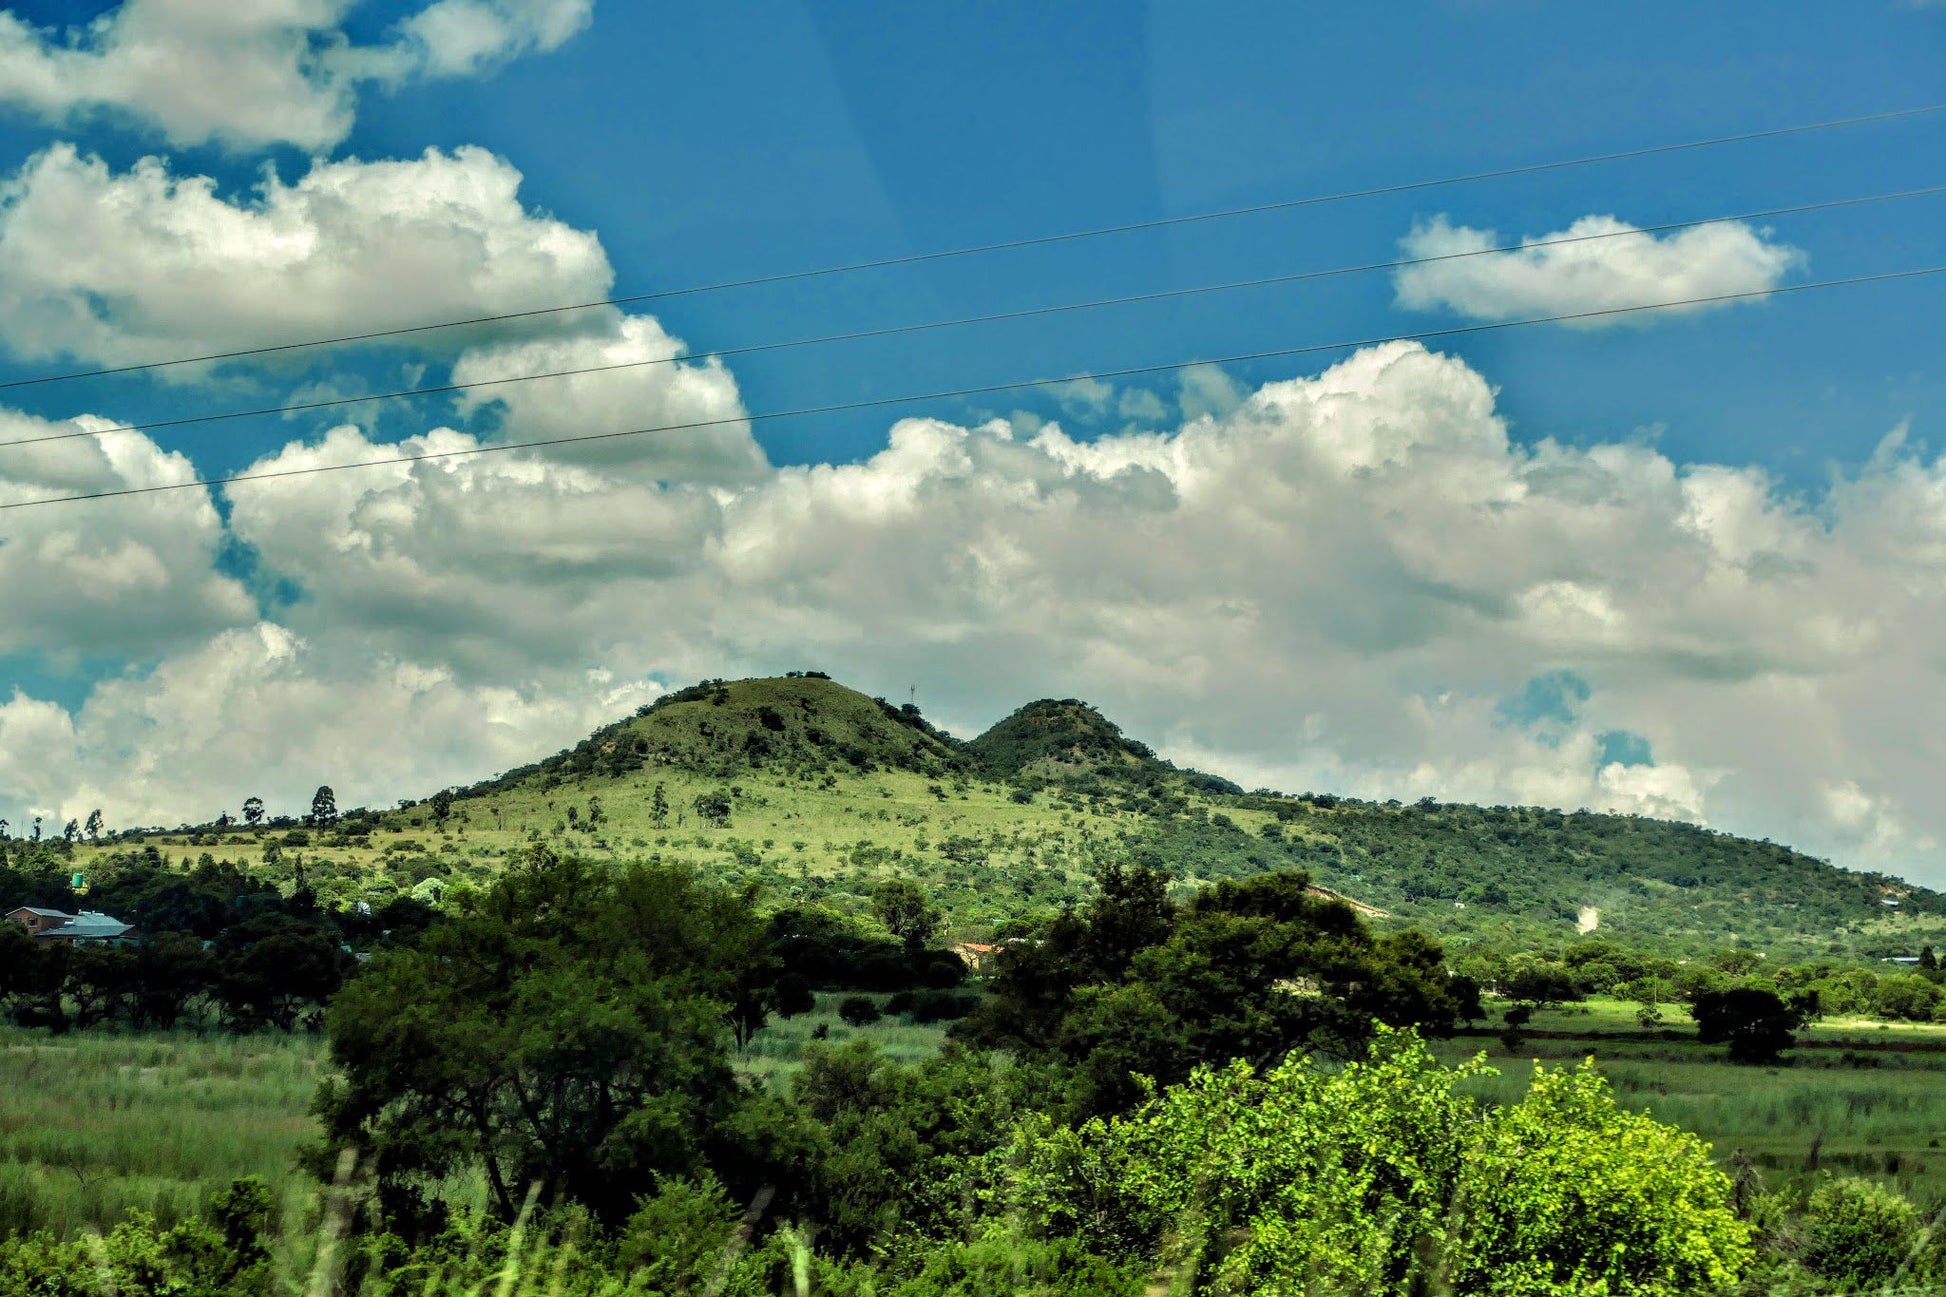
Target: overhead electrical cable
[[981, 390], [1038, 240], [993, 318]]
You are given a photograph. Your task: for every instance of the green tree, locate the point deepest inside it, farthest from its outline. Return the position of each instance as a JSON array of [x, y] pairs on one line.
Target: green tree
[[1906, 995], [324, 807], [1756, 1024], [172, 969], [1246, 970], [94, 825], [859, 1010], [273, 971], [569, 1027], [901, 905], [713, 806], [253, 811], [659, 807], [442, 806]]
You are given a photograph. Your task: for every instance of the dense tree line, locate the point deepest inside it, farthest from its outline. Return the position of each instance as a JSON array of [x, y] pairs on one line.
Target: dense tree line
[[216, 943], [1140, 985]]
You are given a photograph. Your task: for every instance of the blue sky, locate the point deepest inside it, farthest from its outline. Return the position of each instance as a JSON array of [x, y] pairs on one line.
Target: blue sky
[[664, 146]]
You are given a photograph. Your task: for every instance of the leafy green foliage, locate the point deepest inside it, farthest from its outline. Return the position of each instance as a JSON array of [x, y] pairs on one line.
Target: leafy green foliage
[[567, 1027], [1860, 1234], [1136, 986], [1382, 1177], [223, 1254], [1756, 1024]]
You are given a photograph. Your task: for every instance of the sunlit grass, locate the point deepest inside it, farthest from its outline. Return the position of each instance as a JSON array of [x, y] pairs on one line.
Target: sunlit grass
[[1848, 1109], [92, 1125]]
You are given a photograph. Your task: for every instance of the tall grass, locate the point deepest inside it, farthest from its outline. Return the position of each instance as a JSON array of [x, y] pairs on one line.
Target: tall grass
[[92, 1125], [1880, 1114], [776, 1053]]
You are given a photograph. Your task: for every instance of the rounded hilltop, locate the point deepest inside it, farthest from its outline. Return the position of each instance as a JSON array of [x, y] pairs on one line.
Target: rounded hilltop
[[802, 721], [1063, 739]]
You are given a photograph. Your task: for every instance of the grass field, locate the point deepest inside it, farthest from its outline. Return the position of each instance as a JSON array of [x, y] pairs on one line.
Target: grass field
[[92, 1125], [1857, 1097]]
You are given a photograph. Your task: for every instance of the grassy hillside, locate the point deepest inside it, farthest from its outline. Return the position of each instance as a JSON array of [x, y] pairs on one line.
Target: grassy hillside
[[819, 792]]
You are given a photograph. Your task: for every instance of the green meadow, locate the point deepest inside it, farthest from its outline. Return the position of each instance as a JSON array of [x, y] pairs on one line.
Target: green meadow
[[93, 1125], [1856, 1097]]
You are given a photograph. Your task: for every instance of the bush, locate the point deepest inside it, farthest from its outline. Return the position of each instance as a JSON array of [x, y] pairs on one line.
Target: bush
[[941, 1006], [859, 1011], [1858, 1232], [1383, 1177]]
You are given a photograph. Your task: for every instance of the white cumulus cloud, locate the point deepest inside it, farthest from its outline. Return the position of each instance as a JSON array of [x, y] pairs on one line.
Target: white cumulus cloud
[[259, 72], [1598, 263], [131, 577], [145, 265], [636, 383]]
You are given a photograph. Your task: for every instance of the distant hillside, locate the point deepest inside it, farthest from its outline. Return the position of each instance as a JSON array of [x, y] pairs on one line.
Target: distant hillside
[[819, 792]]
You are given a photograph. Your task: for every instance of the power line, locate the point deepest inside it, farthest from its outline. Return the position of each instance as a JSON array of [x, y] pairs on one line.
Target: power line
[[985, 389], [1039, 240], [996, 317]]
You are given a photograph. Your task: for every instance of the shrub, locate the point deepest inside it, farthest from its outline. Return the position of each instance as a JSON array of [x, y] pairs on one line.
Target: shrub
[[1858, 1232], [859, 1011], [1383, 1177]]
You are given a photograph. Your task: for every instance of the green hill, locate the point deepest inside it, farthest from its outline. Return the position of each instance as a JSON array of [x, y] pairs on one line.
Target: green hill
[[819, 792]]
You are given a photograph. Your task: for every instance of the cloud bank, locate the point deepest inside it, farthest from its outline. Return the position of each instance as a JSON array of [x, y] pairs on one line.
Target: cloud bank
[[1352, 581]]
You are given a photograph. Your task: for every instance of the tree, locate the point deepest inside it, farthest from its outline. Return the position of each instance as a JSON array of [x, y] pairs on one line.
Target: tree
[[253, 811], [568, 1026], [94, 825], [1906, 995], [1246, 970], [794, 996], [1927, 959], [324, 807], [659, 807], [859, 1010], [1756, 1024], [273, 971], [902, 907], [442, 806], [1541, 985], [171, 970], [70, 831], [713, 806]]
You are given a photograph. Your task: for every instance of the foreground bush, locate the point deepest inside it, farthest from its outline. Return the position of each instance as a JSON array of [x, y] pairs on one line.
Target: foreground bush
[[1860, 1234], [224, 1254], [1384, 1177]]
